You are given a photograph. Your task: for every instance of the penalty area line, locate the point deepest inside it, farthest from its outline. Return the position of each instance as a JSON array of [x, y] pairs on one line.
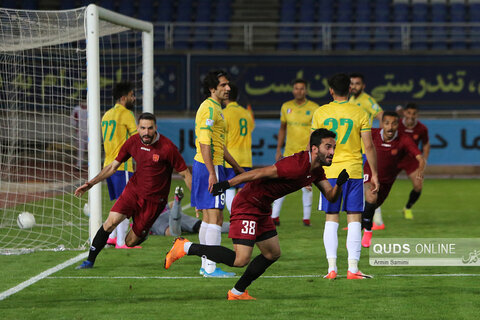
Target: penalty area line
[[269, 277], [43, 275]]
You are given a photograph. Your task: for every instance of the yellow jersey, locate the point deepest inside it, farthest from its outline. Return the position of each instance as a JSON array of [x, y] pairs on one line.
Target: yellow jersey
[[210, 130], [118, 124], [368, 104], [348, 121], [239, 129], [298, 119]]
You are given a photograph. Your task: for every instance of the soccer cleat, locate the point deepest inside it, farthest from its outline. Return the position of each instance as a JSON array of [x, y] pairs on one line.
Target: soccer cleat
[[367, 239], [357, 275], [127, 247], [276, 221], [85, 265], [178, 193], [243, 296], [112, 241], [331, 275], [408, 214], [176, 252], [201, 271], [378, 227], [306, 222], [346, 228], [219, 273]]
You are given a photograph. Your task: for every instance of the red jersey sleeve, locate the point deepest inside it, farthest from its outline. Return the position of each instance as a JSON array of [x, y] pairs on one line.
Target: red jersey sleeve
[[124, 153], [410, 145], [175, 158], [292, 167]]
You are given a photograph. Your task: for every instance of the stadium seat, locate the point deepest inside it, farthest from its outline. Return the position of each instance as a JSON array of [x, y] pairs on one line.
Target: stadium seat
[[381, 36], [400, 12], [307, 11], [31, 5], [164, 11], [439, 38], [438, 11], [288, 11], [108, 4], [361, 40], [458, 38], [10, 4], [145, 10], [223, 11], [341, 39], [127, 8], [286, 38], [324, 11], [419, 38], [305, 38], [67, 4], [474, 38], [419, 11]]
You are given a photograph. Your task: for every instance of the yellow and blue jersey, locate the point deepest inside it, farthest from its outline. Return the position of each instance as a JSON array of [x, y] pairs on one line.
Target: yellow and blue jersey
[[210, 130], [118, 124], [368, 104], [239, 127], [348, 122], [298, 119]]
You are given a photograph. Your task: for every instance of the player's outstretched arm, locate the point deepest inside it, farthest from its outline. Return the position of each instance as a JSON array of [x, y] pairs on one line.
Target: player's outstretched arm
[[106, 172], [266, 172], [371, 154], [187, 176], [332, 193]]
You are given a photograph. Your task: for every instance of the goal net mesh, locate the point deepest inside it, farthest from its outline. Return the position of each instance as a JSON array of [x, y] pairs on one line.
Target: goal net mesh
[[43, 151]]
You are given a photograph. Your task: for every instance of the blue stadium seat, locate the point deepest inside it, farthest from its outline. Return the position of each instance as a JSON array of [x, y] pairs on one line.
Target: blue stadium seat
[[324, 11], [400, 12], [439, 38], [419, 38], [107, 4], [145, 10], [67, 4], [288, 11], [184, 11], [286, 38], [30, 4], [419, 12], [361, 38], [474, 38], [220, 38], [305, 38], [223, 11], [164, 11], [458, 38], [381, 36], [438, 12], [457, 12], [10, 4], [307, 11], [342, 37], [127, 8]]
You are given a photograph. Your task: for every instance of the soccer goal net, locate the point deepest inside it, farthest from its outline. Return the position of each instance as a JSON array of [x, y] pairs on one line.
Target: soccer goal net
[[57, 71]]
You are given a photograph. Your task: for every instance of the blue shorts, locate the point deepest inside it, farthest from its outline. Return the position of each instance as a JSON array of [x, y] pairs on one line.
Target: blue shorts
[[352, 195], [230, 174], [201, 198], [117, 182]]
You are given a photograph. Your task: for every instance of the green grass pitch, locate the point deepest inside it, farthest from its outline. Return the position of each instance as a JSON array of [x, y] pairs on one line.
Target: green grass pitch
[[132, 284]]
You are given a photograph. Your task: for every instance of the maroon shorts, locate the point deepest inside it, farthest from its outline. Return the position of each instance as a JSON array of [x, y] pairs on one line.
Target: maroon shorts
[[250, 227], [382, 192], [144, 212], [409, 164]]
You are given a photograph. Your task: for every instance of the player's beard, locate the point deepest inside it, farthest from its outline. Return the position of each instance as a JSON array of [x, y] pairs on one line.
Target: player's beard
[[147, 136], [129, 105], [324, 160]]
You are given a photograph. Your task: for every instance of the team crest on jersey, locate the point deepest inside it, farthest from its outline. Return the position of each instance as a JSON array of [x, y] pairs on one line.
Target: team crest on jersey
[[308, 112], [156, 157], [209, 122], [415, 137], [289, 110], [394, 152]]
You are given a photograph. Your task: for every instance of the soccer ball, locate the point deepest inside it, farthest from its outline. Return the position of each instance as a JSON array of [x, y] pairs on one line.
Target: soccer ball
[[25, 220], [86, 210]]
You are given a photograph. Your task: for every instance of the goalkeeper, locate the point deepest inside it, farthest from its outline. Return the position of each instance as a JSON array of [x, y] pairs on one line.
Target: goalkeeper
[[251, 222]]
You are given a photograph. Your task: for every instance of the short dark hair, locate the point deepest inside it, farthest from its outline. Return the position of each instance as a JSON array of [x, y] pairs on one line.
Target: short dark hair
[[318, 135], [411, 105], [390, 113], [233, 94], [340, 83], [211, 80], [122, 89], [147, 116], [357, 75], [298, 80]]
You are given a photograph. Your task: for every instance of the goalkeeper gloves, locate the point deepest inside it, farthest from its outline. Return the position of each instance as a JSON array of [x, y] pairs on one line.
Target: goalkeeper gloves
[[220, 187], [342, 177]]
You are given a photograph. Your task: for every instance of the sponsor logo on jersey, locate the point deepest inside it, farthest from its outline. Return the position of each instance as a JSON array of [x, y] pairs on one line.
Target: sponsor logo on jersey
[[143, 148], [388, 145], [289, 110]]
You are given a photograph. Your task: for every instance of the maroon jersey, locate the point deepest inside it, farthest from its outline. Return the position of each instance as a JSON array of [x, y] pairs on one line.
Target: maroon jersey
[[155, 164], [419, 133], [293, 174], [390, 153]]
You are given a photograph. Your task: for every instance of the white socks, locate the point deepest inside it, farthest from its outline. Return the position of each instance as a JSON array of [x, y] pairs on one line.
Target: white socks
[[201, 238], [277, 206], [307, 203], [377, 217], [354, 245], [330, 241], [213, 237], [229, 195], [122, 232]]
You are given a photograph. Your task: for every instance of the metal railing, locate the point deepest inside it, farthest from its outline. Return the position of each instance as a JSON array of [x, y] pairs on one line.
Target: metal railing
[[326, 37]]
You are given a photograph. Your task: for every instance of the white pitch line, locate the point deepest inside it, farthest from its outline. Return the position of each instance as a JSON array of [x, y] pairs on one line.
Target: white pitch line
[[42, 275], [272, 277]]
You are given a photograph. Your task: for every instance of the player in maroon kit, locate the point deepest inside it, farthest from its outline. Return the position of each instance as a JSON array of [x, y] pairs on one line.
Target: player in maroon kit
[[146, 193], [251, 222], [419, 133], [391, 146]]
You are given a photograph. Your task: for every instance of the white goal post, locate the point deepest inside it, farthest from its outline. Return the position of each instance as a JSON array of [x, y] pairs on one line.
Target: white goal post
[[94, 15], [52, 63]]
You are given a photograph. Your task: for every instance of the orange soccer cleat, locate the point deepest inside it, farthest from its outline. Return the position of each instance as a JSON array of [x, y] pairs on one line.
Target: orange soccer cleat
[[378, 227], [176, 252], [331, 275], [243, 296], [357, 275]]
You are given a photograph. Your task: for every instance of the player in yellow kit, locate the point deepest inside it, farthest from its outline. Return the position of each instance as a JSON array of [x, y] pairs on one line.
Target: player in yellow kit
[[208, 165], [295, 122], [118, 124], [352, 125], [240, 125]]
